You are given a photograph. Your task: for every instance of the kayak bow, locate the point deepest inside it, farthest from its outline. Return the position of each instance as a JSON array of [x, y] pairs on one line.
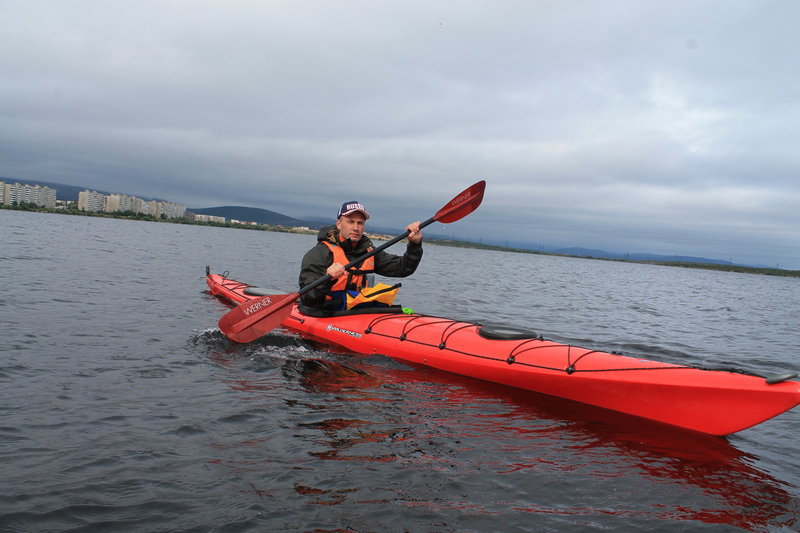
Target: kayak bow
[[718, 402]]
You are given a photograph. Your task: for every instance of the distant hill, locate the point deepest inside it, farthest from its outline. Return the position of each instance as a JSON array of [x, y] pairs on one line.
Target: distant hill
[[676, 258], [68, 193], [265, 216], [253, 214], [602, 254], [584, 252]]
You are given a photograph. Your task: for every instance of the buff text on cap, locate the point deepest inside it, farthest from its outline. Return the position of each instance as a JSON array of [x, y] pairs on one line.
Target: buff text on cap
[[351, 207]]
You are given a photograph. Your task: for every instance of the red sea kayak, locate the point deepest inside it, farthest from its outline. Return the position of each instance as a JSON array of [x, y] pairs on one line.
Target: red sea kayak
[[718, 402]]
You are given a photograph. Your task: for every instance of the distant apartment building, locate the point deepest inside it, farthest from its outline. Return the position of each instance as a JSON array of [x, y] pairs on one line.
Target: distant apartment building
[[122, 202], [208, 218], [91, 200], [29, 194], [163, 209], [116, 203]]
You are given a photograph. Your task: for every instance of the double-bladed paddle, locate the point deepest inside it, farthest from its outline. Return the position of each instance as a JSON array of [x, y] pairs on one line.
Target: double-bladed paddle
[[255, 318]]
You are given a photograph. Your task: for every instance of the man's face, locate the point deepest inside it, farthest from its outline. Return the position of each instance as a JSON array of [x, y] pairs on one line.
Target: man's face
[[351, 226]]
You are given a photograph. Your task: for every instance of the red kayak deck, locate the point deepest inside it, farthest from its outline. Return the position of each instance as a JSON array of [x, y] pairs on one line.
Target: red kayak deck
[[718, 402]]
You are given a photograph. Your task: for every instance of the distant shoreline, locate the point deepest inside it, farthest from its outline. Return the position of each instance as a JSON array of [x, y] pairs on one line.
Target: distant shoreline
[[682, 264], [437, 241]]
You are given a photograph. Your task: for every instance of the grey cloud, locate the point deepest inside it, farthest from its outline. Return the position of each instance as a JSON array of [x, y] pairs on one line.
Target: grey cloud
[[651, 125]]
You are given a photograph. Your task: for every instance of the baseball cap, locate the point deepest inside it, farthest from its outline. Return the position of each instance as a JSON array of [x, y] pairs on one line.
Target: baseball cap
[[352, 207]]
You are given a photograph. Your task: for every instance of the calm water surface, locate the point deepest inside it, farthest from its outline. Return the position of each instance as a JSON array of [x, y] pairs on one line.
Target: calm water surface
[[122, 407]]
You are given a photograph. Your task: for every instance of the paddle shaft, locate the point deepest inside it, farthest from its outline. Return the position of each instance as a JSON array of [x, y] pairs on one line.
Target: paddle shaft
[[254, 319], [277, 302]]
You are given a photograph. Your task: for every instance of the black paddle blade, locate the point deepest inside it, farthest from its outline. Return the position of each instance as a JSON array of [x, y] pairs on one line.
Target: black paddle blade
[[462, 205], [254, 319]]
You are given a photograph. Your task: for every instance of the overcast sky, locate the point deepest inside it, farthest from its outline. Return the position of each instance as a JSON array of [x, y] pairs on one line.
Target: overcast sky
[[668, 127]]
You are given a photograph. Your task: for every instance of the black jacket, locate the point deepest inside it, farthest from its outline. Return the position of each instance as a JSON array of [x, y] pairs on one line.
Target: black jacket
[[319, 258]]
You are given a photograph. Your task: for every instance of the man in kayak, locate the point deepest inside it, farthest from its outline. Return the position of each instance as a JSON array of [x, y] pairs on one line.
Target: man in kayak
[[340, 244]]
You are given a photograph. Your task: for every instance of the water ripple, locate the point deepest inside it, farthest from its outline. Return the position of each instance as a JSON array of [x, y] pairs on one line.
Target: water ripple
[[123, 407]]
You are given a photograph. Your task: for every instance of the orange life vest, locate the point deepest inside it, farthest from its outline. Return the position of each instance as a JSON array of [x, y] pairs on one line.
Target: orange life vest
[[356, 278]]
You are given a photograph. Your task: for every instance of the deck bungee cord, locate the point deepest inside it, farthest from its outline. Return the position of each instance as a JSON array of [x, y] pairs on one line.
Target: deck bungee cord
[[717, 401], [524, 346]]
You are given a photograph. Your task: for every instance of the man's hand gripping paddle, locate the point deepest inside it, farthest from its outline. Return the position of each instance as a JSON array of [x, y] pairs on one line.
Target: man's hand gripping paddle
[[255, 318]]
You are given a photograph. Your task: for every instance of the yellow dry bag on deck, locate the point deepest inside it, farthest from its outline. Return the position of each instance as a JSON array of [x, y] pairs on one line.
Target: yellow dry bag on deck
[[380, 295]]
